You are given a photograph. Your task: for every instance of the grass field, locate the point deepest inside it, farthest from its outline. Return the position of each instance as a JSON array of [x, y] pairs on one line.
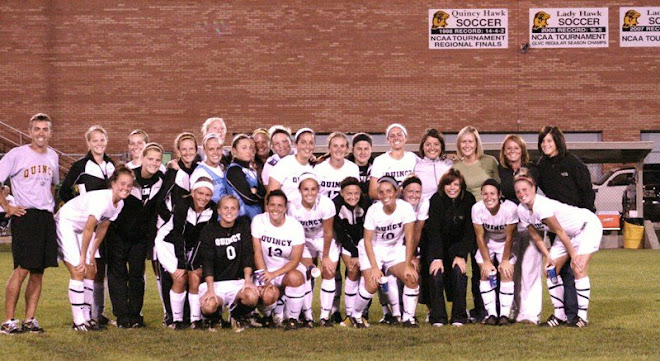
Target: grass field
[[624, 316]]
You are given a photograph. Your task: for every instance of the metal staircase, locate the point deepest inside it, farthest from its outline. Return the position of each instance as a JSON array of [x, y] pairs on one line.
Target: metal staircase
[[11, 137]]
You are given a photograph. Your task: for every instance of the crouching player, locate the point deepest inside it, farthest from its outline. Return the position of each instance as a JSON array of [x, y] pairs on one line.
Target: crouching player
[[580, 233], [382, 251], [81, 226], [278, 242], [227, 263], [494, 223]]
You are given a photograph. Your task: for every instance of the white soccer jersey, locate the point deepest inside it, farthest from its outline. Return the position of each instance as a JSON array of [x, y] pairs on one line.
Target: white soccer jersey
[[312, 220], [495, 225], [277, 242], [388, 228], [422, 210], [268, 166], [202, 172], [286, 172], [94, 203], [384, 164], [330, 178], [31, 175], [570, 218]]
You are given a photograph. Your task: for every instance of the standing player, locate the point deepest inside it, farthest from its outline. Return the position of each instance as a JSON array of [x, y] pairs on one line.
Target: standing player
[[331, 172], [396, 163], [90, 173], [278, 242], [242, 179], [280, 142], [32, 170], [388, 248], [579, 232], [316, 214], [81, 227], [227, 264], [287, 171], [361, 156], [495, 223], [212, 166]]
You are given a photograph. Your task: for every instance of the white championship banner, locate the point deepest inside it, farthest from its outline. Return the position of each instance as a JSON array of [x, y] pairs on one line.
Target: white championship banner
[[468, 28], [639, 26], [568, 28]]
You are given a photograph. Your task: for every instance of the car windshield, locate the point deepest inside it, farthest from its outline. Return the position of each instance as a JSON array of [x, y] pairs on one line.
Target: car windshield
[[603, 178], [651, 177]]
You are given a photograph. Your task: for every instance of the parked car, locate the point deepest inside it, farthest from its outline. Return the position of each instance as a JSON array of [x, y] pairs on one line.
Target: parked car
[[614, 194]]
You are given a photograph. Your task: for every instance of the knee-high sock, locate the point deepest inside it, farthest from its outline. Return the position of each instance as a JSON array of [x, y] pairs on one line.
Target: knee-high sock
[[268, 310], [327, 297], [410, 296], [393, 296], [308, 300], [99, 299], [384, 301], [195, 307], [279, 306], [583, 288], [361, 300], [506, 298], [177, 300], [488, 296], [88, 285], [77, 299], [337, 296], [557, 296], [294, 300], [350, 292]]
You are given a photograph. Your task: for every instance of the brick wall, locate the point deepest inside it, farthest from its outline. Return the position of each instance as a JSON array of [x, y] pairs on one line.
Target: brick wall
[[332, 65]]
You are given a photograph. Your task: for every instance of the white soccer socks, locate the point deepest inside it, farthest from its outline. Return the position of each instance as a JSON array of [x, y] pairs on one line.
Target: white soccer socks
[[350, 292], [362, 300], [88, 286], [294, 301], [557, 295], [308, 300], [327, 297], [177, 302], [77, 299], [410, 296], [506, 298], [488, 296], [393, 295], [583, 288], [195, 307]]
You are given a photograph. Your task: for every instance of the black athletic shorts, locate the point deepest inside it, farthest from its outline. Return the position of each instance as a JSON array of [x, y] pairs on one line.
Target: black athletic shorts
[[34, 240]]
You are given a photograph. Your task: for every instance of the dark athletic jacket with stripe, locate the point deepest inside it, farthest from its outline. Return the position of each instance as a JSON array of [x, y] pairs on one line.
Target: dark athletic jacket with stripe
[[85, 176]]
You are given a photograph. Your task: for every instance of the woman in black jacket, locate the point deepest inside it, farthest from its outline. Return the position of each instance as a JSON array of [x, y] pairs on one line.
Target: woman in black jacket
[[564, 178], [450, 237]]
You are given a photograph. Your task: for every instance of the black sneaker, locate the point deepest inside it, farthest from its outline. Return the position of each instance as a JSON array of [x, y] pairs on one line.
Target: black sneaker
[[104, 321], [11, 327], [578, 322], [178, 325], [267, 322], [394, 321], [553, 322], [291, 324], [357, 322], [200, 325], [138, 324], [32, 326], [80, 328], [124, 324], [505, 321], [336, 317], [410, 324], [92, 325], [490, 321], [326, 323], [307, 324], [387, 319]]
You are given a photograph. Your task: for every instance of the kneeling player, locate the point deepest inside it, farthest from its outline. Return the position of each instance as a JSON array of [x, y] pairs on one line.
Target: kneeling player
[[316, 214], [82, 219], [227, 263], [494, 224], [278, 242], [382, 251]]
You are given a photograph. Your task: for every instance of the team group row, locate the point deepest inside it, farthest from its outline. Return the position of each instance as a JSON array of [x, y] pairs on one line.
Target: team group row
[[397, 221]]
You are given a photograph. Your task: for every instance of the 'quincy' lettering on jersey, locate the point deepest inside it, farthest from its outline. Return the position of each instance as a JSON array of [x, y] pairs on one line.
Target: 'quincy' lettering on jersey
[[229, 240], [493, 228], [311, 223], [391, 227], [275, 241]]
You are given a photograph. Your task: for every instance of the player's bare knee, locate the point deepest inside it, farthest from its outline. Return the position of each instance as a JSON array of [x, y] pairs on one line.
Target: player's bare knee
[[294, 278], [270, 295]]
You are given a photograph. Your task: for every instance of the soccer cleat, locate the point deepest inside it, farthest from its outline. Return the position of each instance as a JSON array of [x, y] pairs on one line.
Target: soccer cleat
[[505, 321], [92, 325], [365, 322], [553, 322], [138, 324], [32, 326], [357, 322], [394, 321], [387, 319], [410, 324], [490, 320], [578, 322], [307, 324], [124, 324], [11, 327], [268, 322], [347, 322], [104, 321], [291, 324], [80, 328], [336, 317], [178, 325], [326, 323], [236, 325], [199, 325]]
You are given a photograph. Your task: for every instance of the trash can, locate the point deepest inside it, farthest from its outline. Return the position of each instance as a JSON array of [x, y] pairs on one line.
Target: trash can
[[633, 234]]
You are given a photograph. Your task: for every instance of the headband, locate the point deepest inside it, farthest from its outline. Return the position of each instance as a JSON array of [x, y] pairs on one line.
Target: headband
[[395, 125], [389, 179], [359, 137], [203, 183], [301, 131]]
